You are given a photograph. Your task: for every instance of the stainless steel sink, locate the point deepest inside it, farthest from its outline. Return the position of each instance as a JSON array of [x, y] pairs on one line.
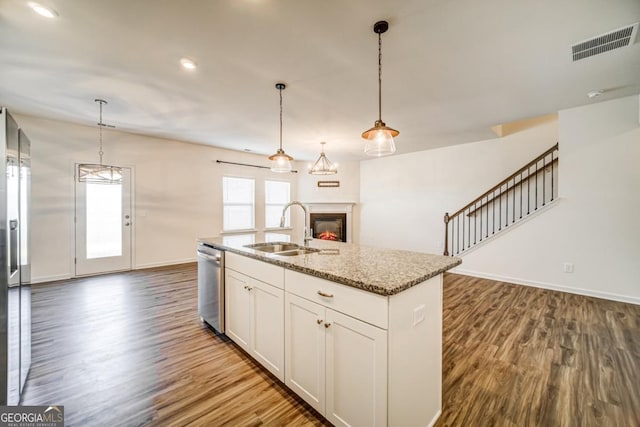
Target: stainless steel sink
[[281, 248], [299, 251], [273, 247]]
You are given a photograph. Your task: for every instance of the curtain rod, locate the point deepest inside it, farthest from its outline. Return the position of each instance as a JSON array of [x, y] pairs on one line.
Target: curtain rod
[[245, 164]]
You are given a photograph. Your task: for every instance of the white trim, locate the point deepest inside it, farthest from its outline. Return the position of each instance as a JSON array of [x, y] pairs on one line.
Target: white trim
[[277, 229], [243, 231], [334, 207], [54, 278], [165, 263], [435, 419], [550, 286]]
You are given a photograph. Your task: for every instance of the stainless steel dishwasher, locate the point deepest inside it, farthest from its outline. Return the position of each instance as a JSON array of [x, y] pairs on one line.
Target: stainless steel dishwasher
[[211, 286]]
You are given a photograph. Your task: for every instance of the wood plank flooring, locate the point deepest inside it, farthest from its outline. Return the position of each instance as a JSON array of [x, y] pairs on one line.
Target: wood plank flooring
[[521, 356], [128, 349]]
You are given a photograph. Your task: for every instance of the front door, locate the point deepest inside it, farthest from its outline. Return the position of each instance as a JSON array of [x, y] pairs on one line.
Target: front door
[[103, 226]]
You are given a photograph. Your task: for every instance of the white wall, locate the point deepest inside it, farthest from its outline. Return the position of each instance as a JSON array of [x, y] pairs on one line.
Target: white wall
[[594, 225], [348, 192], [177, 189], [404, 197]]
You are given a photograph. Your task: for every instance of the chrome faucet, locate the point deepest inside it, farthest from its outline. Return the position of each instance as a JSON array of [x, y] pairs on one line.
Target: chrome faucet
[[307, 235]]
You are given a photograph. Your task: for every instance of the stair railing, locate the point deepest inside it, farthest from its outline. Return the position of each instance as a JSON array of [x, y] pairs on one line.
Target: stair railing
[[526, 190]]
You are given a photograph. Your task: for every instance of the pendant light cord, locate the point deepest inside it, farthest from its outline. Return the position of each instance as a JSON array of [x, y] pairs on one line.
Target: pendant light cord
[[100, 124], [380, 76], [280, 89]]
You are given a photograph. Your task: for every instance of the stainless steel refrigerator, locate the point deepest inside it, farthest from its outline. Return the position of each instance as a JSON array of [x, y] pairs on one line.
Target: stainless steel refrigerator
[[15, 278]]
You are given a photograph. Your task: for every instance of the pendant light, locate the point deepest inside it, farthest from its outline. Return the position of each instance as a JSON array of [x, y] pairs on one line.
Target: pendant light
[[323, 166], [380, 136], [281, 161], [100, 173]]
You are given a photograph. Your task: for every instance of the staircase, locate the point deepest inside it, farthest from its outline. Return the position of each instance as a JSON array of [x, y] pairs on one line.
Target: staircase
[[523, 193]]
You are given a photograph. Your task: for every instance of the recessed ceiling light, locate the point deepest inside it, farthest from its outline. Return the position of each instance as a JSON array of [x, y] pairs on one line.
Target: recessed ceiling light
[[594, 93], [188, 64], [47, 12]]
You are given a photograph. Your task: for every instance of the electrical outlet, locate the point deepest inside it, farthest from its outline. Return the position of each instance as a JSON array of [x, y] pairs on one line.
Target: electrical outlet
[[567, 267], [418, 314]]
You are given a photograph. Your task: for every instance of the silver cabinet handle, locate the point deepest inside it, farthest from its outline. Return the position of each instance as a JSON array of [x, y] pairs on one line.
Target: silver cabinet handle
[[126, 224], [324, 294]]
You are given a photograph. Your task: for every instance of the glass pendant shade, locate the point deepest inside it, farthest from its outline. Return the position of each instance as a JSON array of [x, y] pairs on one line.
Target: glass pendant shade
[[323, 166], [280, 162], [379, 140]]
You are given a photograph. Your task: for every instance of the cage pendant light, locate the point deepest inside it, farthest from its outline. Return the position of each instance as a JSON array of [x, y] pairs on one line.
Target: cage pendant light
[[379, 139], [281, 161], [323, 166], [100, 173]]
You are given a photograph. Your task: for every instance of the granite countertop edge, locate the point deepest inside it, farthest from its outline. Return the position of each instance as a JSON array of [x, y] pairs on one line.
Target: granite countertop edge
[[455, 261]]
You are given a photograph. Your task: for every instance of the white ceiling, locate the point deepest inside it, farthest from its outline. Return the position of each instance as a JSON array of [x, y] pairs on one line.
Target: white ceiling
[[451, 68]]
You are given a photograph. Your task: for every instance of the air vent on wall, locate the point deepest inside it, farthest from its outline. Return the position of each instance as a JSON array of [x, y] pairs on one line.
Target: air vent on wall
[[606, 42]]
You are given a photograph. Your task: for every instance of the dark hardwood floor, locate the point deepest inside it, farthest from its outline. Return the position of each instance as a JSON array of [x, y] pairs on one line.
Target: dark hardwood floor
[[128, 349]]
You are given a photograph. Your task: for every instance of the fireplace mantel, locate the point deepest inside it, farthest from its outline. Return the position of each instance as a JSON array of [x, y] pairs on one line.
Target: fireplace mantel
[[334, 207]]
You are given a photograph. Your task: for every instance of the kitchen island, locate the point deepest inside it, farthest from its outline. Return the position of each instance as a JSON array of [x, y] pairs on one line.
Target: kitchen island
[[355, 331]]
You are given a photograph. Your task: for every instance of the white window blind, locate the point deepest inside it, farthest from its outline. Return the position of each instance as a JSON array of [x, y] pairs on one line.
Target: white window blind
[[277, 194], [238, 200]]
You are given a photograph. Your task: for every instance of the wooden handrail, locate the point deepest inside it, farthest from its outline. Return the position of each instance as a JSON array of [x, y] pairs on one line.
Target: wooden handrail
[[506, 180], [512, 188]]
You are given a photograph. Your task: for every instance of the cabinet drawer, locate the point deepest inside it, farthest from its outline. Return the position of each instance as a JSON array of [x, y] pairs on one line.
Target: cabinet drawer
[[363, 305], [265, 272]]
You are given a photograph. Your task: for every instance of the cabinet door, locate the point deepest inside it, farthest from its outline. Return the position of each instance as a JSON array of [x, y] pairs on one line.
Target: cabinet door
[[267, 339], [238, 309], [304, 350], [356, 359]]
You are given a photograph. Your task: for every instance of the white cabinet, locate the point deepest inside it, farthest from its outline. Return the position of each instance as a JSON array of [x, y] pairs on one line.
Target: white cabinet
[[267, 326], [336, 363], [305, 350], [255, 319], [358, 358], [238, 308], [356, 372]]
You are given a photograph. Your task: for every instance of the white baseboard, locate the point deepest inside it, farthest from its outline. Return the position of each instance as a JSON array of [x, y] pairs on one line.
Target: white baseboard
[[435, 418], [44, 279], [165, 263], [67, 276], [550, 286]]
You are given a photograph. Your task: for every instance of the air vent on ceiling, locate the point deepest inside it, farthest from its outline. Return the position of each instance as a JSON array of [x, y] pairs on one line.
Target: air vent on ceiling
[[606, 42]]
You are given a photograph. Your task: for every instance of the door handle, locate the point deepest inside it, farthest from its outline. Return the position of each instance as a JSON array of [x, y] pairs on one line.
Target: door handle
[[126, 224]]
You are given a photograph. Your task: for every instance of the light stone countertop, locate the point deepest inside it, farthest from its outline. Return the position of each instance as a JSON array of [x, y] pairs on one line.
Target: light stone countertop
[[381, 271]]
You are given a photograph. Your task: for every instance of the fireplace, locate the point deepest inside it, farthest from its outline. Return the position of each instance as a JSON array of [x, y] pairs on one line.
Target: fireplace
[[329, 226]]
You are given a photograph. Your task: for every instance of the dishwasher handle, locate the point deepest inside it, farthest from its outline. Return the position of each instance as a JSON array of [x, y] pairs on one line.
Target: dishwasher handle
[[209, 257]]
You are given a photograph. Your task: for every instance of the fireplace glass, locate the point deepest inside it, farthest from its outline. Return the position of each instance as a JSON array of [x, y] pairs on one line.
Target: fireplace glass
[[329, 226]]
